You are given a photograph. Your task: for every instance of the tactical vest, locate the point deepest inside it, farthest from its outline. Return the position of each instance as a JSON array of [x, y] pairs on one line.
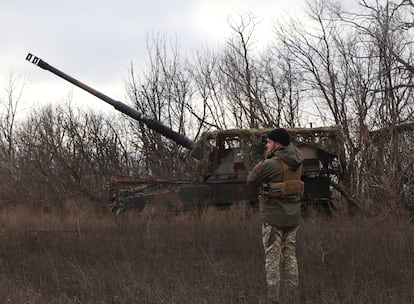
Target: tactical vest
[[291, 184]]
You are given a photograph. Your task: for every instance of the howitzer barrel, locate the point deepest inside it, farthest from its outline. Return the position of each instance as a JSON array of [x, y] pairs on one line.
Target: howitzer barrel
[[127, 110]]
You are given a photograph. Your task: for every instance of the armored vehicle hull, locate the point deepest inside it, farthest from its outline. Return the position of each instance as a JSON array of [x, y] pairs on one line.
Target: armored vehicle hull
[[225, 158]]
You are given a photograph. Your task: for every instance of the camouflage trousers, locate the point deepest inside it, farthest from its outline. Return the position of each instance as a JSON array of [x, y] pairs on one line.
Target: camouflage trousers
[[280, 261]]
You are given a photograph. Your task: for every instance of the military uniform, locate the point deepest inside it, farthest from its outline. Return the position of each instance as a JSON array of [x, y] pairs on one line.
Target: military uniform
[[280, 215]]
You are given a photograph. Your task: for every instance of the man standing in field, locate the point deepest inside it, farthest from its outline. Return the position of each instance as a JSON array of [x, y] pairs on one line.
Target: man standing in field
[[278, 176]]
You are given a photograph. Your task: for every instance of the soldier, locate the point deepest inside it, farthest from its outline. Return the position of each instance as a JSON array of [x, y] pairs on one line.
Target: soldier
[[278, 176]]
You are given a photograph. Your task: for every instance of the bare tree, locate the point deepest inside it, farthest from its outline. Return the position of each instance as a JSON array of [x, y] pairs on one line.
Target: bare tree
[[316, 53], [65, 153], [241, 82], [14, 88], [163, 94], [385, 31], [352, 74], [212, 110], [281, 87], [403, 13]]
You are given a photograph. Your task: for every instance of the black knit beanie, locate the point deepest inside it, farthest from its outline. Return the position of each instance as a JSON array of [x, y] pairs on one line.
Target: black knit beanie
[[279, 135]]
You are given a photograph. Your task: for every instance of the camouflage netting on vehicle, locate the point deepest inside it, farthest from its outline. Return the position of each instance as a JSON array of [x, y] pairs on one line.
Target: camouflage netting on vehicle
[[202, 151], [378, 135], [251, 144], [328, 139]]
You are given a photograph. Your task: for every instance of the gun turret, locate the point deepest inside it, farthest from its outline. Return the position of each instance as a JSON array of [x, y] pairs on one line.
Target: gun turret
[[127, 110]]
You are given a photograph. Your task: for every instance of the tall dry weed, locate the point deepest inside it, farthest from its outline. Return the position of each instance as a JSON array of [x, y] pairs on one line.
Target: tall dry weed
[[83, 255]]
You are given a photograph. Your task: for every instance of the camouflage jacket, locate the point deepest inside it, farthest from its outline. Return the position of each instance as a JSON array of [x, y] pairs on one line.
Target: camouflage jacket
[[284, 211]]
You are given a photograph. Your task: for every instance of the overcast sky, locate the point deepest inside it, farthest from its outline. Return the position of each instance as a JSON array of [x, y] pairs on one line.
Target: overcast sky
[[96, 41]]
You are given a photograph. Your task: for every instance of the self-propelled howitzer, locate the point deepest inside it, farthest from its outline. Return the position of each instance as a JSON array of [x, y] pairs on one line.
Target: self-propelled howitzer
[[225, 158]]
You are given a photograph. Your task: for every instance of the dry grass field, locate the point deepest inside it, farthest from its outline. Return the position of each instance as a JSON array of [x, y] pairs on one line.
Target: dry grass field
[[78, 255]]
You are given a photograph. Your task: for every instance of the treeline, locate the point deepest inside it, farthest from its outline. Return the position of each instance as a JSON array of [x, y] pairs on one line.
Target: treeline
[[339, 67]]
